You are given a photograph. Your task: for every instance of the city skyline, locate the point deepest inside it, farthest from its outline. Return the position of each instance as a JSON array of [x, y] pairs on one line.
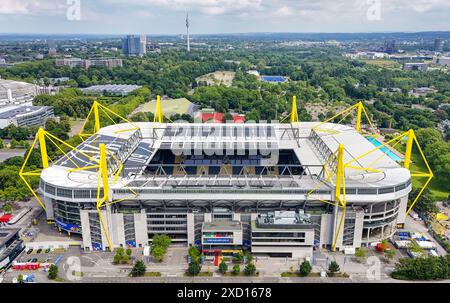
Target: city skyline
[[221, 16]]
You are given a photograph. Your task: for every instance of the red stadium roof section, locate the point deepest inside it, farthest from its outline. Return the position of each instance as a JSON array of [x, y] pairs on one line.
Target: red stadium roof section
[[238, 118], [212, 117], [217, 117]]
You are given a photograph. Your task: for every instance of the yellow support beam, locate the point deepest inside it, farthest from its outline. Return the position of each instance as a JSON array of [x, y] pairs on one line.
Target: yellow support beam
[[158, 111], [96, 117], [98, 110], [409, 145], [104, 171], [339, 172], [358, 117], [340, 188], [43, 148], [294, 111]]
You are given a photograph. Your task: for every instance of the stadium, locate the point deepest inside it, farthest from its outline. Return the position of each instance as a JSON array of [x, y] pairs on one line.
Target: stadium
[[15, 92], [277, 189]]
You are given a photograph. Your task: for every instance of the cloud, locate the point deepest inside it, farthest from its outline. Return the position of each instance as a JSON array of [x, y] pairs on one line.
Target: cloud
[[284, 11], [12, 7], [209, 7], [32, 7]]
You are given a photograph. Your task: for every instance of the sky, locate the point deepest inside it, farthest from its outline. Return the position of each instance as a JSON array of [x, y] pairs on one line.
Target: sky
[[221, 16]]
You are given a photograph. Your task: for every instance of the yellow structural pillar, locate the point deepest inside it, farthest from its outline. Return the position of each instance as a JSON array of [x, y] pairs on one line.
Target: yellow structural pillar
[[339, 172], [294, 112], [158, 111], [409, 145], [105, 181], [104, 172], [43, 147], [96, 117], [358, 117], [340, 183]]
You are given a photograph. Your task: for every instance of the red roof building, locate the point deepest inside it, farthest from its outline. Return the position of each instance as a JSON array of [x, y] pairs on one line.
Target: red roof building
[[212, 117]]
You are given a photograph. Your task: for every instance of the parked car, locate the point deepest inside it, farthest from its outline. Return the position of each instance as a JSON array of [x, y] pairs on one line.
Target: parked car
[[47, 250], [34, 260], [29, 251], [39, 251]]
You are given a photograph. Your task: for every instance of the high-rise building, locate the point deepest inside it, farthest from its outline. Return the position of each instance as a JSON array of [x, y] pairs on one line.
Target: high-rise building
[[390, 47], [187, 31], [51, 47], [439, 45], [134, 45]]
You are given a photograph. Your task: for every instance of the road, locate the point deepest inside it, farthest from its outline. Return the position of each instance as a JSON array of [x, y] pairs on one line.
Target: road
[[9, 153]]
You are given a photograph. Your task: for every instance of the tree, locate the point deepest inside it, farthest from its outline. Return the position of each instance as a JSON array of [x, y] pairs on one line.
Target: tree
[[161, 240], [334, 267], [7, 208], [250, 269], [158, 253], [14, 143], [305, 268], [223, 267], [428, 136], [425, 204], [236, 269], [1, 144], [429, 268], [194, 253], [239, 257], [361, 253], [20, 278], [129, 252], [53, 272], [138, 269], [194, 268], [119, 256]]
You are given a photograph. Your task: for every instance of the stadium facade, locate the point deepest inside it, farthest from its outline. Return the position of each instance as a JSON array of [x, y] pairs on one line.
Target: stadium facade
[[272, 188]]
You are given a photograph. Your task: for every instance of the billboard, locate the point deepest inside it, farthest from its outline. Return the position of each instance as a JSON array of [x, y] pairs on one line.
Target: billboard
[[68, 227], [217, 240]]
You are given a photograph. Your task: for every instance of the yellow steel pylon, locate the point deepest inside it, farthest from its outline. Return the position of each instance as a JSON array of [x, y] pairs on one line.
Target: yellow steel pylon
[[97, 110], [340, 192], [360, 111], [158, 117], [294, 111], [411, 140], [42, 136], [103, 176]]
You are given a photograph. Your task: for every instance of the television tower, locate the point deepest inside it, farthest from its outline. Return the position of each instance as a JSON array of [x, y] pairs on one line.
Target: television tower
[[188, 37]]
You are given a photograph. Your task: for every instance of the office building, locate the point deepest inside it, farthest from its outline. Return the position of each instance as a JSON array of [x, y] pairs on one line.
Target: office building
[[415, 66], [441, 60], [134, 45], [23, 115], [439, 45], [86, 63], [16, 92], [10, 246]]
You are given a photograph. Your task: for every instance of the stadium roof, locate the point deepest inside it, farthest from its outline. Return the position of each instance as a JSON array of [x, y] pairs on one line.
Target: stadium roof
[[120, 89], [136, 149], [9, 112]]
